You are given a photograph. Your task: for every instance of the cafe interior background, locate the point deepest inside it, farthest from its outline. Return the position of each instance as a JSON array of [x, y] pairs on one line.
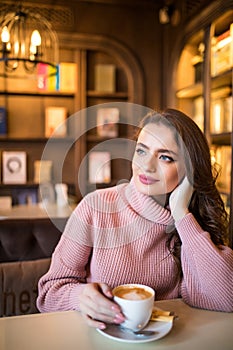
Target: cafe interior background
[[68, 98]]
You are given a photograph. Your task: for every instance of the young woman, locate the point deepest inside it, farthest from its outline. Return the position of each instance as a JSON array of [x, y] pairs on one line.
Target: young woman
[[166, 228]]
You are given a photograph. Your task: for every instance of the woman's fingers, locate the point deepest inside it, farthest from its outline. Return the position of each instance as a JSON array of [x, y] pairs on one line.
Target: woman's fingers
[[180, 199], [94, 323], [95, 306], [106, 290], [101, 312]]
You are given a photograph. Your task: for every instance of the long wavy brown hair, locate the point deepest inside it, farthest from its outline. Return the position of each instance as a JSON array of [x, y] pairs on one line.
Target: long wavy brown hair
[[206, 203]]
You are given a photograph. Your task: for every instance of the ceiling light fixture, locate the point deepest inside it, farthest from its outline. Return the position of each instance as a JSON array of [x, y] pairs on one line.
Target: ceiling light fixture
[[169, 14], [26, 39]]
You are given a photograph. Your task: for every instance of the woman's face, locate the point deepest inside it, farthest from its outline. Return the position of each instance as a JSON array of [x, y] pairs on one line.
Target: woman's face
[[158, 166]]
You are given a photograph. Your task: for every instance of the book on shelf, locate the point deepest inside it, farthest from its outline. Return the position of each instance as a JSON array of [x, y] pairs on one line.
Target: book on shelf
[[99, 167], [107, 122], [42, 171], [198, 112], [47, 77], [67, 77], [55, 121], [228, 113], [42, 76], [222, 52], [217, 116], [14, 167], [105, 78], [61, 78], [52, 80], [221, 111], [223, 158], [3, 121]]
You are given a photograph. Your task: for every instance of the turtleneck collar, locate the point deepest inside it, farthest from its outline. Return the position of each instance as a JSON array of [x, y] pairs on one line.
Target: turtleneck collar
[[146, 206]]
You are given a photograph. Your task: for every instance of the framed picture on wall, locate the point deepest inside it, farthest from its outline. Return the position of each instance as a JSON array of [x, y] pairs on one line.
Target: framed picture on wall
[[14, 167], [107, 122]]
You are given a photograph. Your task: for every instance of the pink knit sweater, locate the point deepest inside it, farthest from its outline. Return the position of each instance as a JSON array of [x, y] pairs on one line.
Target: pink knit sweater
[[118, 235]]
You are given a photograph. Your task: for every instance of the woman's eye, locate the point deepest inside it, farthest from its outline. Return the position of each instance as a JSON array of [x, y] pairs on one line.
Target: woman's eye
[[140, 151], [166, 158]]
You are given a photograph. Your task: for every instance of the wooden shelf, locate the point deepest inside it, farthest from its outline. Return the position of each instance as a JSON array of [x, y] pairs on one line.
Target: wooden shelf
[[107, 95], [221, 80], [96, 138], [20, 186], [190, 91], [35, 139], [37, 93], [221, 139]]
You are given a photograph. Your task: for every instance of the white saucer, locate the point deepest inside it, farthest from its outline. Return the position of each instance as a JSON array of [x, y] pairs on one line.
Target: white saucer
[[115, 332]]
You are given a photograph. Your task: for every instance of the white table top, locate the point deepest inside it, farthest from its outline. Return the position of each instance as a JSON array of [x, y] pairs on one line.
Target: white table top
[[194, 330], [36, 211]]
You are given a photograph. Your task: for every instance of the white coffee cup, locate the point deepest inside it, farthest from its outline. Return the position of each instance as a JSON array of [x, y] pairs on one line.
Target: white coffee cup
[[136, 302]]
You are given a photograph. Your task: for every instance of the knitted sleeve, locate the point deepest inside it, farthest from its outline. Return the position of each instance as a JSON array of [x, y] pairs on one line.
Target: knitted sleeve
[[207, 270], [60, 287]]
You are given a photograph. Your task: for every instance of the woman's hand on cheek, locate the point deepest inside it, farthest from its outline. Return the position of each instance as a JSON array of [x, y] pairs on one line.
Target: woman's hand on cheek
[[180, 198], [97, 306]]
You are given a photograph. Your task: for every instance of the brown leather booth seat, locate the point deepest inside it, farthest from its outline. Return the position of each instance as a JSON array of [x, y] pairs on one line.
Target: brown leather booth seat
[[26, 247], [22, 240]]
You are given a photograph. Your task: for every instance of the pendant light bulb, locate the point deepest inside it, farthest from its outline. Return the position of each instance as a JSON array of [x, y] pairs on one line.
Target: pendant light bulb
[[36, 38], [5, 36]]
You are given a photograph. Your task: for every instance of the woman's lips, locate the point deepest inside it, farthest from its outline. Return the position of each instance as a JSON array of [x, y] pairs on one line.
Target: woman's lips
[[146, 180]]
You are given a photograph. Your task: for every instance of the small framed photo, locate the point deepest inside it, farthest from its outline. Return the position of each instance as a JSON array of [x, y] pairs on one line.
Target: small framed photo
[[14, 167], [99, 167], [55, 121], [107, 122]]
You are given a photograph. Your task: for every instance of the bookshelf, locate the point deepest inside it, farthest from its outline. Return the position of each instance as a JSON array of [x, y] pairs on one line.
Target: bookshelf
[[26, 106], [205, 93], [26, 101], [116, 96]]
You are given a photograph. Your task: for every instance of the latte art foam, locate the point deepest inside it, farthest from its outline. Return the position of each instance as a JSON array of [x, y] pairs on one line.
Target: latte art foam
[[133, 293]]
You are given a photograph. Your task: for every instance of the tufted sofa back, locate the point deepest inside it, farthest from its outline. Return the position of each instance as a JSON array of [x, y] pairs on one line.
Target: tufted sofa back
[[26, 247], [22, 240]]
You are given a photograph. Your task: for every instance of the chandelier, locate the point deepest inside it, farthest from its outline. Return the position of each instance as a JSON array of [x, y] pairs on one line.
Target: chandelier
[[26, 40]]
